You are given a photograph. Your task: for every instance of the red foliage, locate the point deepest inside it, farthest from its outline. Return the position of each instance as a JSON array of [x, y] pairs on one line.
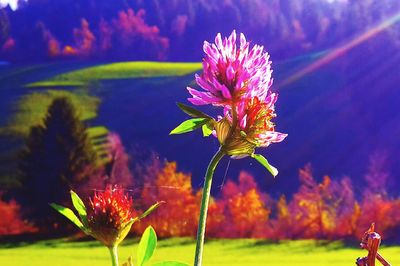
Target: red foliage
[[115, 171], [179, 24], [84, 39], [11, 222], [120, 173], [124, 35], [53, 45], [105, 35], [384, 212], [9, 44], [321, 210], [377, 176], [132, 31]]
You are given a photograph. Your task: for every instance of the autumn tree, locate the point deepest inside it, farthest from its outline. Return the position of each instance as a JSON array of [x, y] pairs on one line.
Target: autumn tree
[[11, 222], [244, 209], [178, 215], [53, 162], [324, 210], [377, 206]]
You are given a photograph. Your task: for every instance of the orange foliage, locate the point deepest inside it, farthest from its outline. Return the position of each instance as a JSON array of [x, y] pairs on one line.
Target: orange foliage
[[178, 216], [11, 222], [325, 210], [69, 51], [384, 212], [282, 226], [241, 210], [53, 45], [322, 210]]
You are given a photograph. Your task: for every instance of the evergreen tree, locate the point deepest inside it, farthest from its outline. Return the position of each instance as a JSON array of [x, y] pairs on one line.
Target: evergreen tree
[[54, 161]]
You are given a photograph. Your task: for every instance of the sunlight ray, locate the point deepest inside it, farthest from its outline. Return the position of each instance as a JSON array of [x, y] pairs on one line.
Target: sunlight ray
[[341, 50]]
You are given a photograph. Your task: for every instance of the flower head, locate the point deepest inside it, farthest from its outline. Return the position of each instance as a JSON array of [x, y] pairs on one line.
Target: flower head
[[231, 72], [238, 79], [253, 127], [110, 216], [255, 121]]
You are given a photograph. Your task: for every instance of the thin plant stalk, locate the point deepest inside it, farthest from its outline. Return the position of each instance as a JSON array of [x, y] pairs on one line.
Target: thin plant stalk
[[114, 255], [204, 207]]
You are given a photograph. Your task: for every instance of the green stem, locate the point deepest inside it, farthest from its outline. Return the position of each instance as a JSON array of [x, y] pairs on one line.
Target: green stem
[[204, 206], [114, 255], [234, 123]]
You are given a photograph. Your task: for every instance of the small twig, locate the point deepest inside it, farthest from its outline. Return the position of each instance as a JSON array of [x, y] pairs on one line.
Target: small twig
[[371, 242], [382, 260]]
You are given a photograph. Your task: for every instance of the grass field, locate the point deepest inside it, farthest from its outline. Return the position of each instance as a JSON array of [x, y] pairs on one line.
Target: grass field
[[121, 70], [217, 252]]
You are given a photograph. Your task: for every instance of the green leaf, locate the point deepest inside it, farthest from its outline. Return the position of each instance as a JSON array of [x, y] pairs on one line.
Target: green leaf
[[261, 159], [170, 263], [189, 125], [192, 111], [69, 214], [79, 207], [207, 129], [151, 209], [147, 245]]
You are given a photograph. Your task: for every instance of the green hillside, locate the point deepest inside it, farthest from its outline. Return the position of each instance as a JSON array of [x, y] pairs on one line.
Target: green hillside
[[217, 253], [120, 70]]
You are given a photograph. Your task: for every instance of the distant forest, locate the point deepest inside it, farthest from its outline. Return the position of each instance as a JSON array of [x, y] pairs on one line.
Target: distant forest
[[174, 30]]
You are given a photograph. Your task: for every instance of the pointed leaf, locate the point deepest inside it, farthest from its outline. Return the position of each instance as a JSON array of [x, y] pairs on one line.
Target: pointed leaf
[[79, 207], [126, 228], [192, 111], [222, 127], [170, 263], [189, 125], [207, 129], [151, 209], [147, 245], [69, 214], [261, 159]]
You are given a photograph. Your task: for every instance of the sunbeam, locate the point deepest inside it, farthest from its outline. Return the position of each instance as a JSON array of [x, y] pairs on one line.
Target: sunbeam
[[339, 51]]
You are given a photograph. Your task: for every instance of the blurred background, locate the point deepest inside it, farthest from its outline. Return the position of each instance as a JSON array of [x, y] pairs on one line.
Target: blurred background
[[87, 98]]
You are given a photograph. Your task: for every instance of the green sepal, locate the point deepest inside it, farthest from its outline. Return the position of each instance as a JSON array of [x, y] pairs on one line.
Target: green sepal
[[151, 209], [261, 159], [189, 125], [126, 228], [79, 207], [208, 128], [192, 111], [147, 245], [69, 214], [222, 127], [170, 263]]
